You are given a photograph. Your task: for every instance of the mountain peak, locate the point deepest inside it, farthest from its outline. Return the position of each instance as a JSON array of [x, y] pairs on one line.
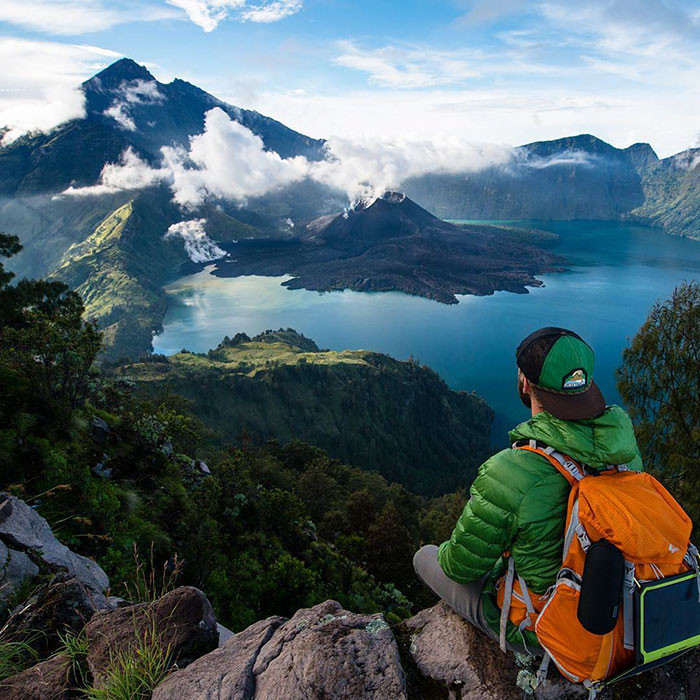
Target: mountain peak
[[392, 215], [586, 143], [115, 74], [641, 155]]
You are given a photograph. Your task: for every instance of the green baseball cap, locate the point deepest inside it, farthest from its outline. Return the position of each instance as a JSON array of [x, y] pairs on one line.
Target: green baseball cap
[[559, 364]]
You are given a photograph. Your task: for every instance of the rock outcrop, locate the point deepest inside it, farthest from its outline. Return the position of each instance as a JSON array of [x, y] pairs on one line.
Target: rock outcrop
[[448, 658], [49, 680], [55, 607], [27, 545], [330, 653], [182, 621], [321, 652]]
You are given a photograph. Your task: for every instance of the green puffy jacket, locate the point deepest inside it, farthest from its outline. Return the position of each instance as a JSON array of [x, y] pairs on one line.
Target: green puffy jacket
[[518, 504]]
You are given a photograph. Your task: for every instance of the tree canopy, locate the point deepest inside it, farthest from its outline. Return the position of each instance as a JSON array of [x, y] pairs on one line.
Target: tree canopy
[[659, 381]]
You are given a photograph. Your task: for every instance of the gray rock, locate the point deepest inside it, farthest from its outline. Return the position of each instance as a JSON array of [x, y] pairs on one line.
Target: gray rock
[[53, 607], [15, 568], [224, 634], [224, 674], [446, 658], [332, 653], [23, 528], [321, 652], [100, 429]]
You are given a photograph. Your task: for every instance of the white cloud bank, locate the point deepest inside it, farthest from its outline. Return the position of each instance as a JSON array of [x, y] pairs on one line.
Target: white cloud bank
[[199, 247], [207, 14], [38, 84], [229, 161]]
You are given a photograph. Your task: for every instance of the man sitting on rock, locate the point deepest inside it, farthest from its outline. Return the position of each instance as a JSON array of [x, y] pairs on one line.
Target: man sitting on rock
[[519, 500]]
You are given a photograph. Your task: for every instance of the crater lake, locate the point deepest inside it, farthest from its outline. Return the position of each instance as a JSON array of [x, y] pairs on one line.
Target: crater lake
[[616, 272]]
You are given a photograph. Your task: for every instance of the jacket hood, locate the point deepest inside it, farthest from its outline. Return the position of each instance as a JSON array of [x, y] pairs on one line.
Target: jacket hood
[[596, 442]]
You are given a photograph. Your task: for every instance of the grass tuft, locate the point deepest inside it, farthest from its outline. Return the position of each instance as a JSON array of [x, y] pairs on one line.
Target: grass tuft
[[16, 657], [134, 673]]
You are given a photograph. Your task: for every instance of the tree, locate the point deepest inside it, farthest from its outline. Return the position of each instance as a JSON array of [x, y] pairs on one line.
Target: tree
[[660, 382]]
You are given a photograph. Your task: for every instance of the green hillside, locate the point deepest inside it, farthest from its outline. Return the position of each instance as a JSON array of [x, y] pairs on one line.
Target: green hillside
[[363, 407], [119, 268]]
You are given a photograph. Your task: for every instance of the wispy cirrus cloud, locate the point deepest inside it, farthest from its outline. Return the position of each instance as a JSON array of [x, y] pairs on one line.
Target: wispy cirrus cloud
[[75, 17], [207, 14], [408, 66]]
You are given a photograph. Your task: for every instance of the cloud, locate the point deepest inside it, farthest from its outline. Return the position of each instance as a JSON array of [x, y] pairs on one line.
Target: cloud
[[73, 17], [687, 160], [199, 247], [39, 82], [207, 14], [133, 92], [271, 11], [408, 67], [367, 168], [131, 173], [229, 161]]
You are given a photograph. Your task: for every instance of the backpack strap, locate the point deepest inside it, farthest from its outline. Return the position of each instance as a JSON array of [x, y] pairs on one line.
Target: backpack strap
[[505, 610], [628, 605], [691, 558], [566, 466]]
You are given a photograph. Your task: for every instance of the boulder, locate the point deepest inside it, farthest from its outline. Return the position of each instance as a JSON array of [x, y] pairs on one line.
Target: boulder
[[23, 529], [183, 620], [321, 652], [15, 568], [61, 604], [49, 680], [225, 673], [445, 657]]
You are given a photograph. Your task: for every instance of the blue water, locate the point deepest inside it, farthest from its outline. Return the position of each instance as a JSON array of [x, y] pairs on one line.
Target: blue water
[[616, 274]]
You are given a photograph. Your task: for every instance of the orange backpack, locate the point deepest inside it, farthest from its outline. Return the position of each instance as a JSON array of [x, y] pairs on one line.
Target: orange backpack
[[636, 514]]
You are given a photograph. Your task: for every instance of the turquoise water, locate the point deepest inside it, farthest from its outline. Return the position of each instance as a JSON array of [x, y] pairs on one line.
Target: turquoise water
[[616, 273]]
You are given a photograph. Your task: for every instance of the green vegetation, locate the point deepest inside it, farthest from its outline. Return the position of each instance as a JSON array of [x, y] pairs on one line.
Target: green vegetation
[[74, 645], [660, 383], [364, 408], [15, 657], [133, 674], [263, 529]]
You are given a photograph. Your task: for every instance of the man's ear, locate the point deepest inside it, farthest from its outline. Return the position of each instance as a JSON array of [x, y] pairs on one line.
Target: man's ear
[[526, 384]]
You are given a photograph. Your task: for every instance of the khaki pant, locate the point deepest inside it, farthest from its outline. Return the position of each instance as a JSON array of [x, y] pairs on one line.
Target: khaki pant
[[463, 598]]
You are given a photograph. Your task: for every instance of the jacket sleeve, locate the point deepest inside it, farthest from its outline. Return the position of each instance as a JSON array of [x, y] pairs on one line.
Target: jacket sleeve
[[487, 525]]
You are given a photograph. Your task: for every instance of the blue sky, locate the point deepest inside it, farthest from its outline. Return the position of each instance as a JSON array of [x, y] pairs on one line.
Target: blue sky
[[502, 72]]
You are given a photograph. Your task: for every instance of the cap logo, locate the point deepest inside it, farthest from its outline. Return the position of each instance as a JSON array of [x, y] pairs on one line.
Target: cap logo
[[575, 380]]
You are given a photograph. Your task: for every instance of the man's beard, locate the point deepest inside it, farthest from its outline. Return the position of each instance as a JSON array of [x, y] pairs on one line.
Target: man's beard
[[524, 396]]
